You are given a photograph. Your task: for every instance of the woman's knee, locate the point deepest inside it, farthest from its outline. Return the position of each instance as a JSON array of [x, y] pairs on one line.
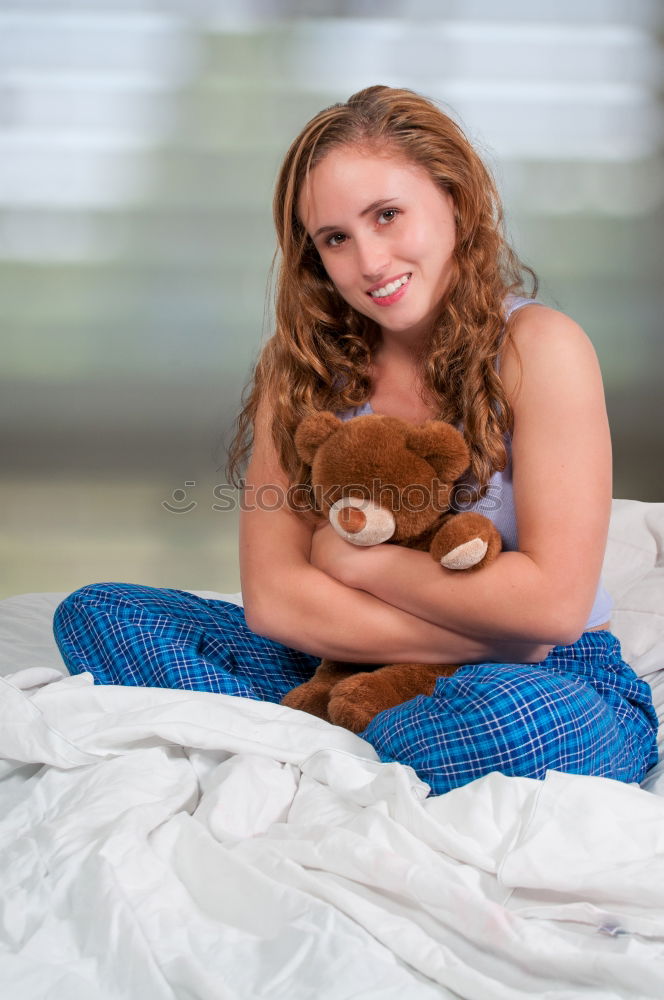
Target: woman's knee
[[81, 601], [516, 719]]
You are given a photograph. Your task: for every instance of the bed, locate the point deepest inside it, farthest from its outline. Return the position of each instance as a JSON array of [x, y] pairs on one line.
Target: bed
[[167, 844]]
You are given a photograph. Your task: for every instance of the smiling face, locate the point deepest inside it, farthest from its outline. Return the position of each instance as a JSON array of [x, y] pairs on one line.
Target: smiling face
[[385, 233]]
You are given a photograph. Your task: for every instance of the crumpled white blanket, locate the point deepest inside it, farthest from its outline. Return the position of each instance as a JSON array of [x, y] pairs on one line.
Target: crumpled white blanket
[[162, 844]]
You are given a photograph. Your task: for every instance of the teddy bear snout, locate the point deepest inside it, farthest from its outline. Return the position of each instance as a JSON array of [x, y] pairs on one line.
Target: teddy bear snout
[[361, 521], [352, 519]]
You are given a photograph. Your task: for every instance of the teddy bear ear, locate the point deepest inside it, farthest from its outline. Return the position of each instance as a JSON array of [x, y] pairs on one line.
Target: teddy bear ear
[[314, 431], [443, 447]]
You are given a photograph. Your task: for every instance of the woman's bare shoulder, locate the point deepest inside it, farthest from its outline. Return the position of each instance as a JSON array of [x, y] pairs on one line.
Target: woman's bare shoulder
[[546, 345]]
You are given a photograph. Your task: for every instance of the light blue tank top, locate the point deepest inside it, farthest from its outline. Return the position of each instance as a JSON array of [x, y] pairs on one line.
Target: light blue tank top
[[498, 502]]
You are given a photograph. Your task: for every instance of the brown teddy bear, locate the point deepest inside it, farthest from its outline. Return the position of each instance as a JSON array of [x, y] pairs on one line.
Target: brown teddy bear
[[380, 479]]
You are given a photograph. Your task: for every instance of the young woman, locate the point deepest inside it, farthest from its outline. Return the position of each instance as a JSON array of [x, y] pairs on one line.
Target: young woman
[[397, 294]]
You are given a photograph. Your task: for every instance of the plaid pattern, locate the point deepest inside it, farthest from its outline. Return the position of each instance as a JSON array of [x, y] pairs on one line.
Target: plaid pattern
[[127, 634], [582, 710]]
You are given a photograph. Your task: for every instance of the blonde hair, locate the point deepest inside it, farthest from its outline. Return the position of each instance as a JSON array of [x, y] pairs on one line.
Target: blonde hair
[[320, 353]]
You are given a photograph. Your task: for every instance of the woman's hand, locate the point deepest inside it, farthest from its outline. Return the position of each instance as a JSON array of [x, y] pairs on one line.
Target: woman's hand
[[338, 558]]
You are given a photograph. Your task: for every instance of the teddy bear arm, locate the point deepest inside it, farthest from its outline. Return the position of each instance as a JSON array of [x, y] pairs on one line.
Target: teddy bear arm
[[466, 541]]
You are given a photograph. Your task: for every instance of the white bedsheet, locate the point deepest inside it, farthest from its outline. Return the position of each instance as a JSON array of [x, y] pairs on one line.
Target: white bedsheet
[[163, 844]]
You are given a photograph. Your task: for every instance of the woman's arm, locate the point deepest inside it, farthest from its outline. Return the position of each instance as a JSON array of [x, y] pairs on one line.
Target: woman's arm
[[562, 489], [288, 599]]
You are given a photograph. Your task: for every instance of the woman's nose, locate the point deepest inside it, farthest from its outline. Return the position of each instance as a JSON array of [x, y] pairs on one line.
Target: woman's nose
[[373, 258]]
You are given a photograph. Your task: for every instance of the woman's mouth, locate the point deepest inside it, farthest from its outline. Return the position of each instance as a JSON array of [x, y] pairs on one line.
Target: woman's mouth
[[391, 291]]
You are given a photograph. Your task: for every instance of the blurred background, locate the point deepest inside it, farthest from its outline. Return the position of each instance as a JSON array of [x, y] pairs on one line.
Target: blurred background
[[139, 143]]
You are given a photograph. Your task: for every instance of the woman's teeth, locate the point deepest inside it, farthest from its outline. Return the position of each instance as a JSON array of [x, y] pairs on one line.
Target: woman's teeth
[[389, 289]]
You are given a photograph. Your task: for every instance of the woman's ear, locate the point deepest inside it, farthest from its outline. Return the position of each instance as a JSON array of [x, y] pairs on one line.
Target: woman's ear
[[443, 447], [314, 431]]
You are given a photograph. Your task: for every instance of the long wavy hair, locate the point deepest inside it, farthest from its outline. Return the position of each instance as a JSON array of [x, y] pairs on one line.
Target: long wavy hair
[[319, 357]]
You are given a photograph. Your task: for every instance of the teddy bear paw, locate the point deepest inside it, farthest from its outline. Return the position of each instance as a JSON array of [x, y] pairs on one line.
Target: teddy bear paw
[[309, 697], [466, 555], [353, 703]]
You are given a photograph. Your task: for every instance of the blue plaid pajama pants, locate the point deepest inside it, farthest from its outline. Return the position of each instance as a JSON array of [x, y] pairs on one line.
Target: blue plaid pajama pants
[[582, 710]]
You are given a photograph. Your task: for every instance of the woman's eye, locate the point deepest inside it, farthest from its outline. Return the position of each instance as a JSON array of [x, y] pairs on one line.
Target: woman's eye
[[387, 215], [336, 240]]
